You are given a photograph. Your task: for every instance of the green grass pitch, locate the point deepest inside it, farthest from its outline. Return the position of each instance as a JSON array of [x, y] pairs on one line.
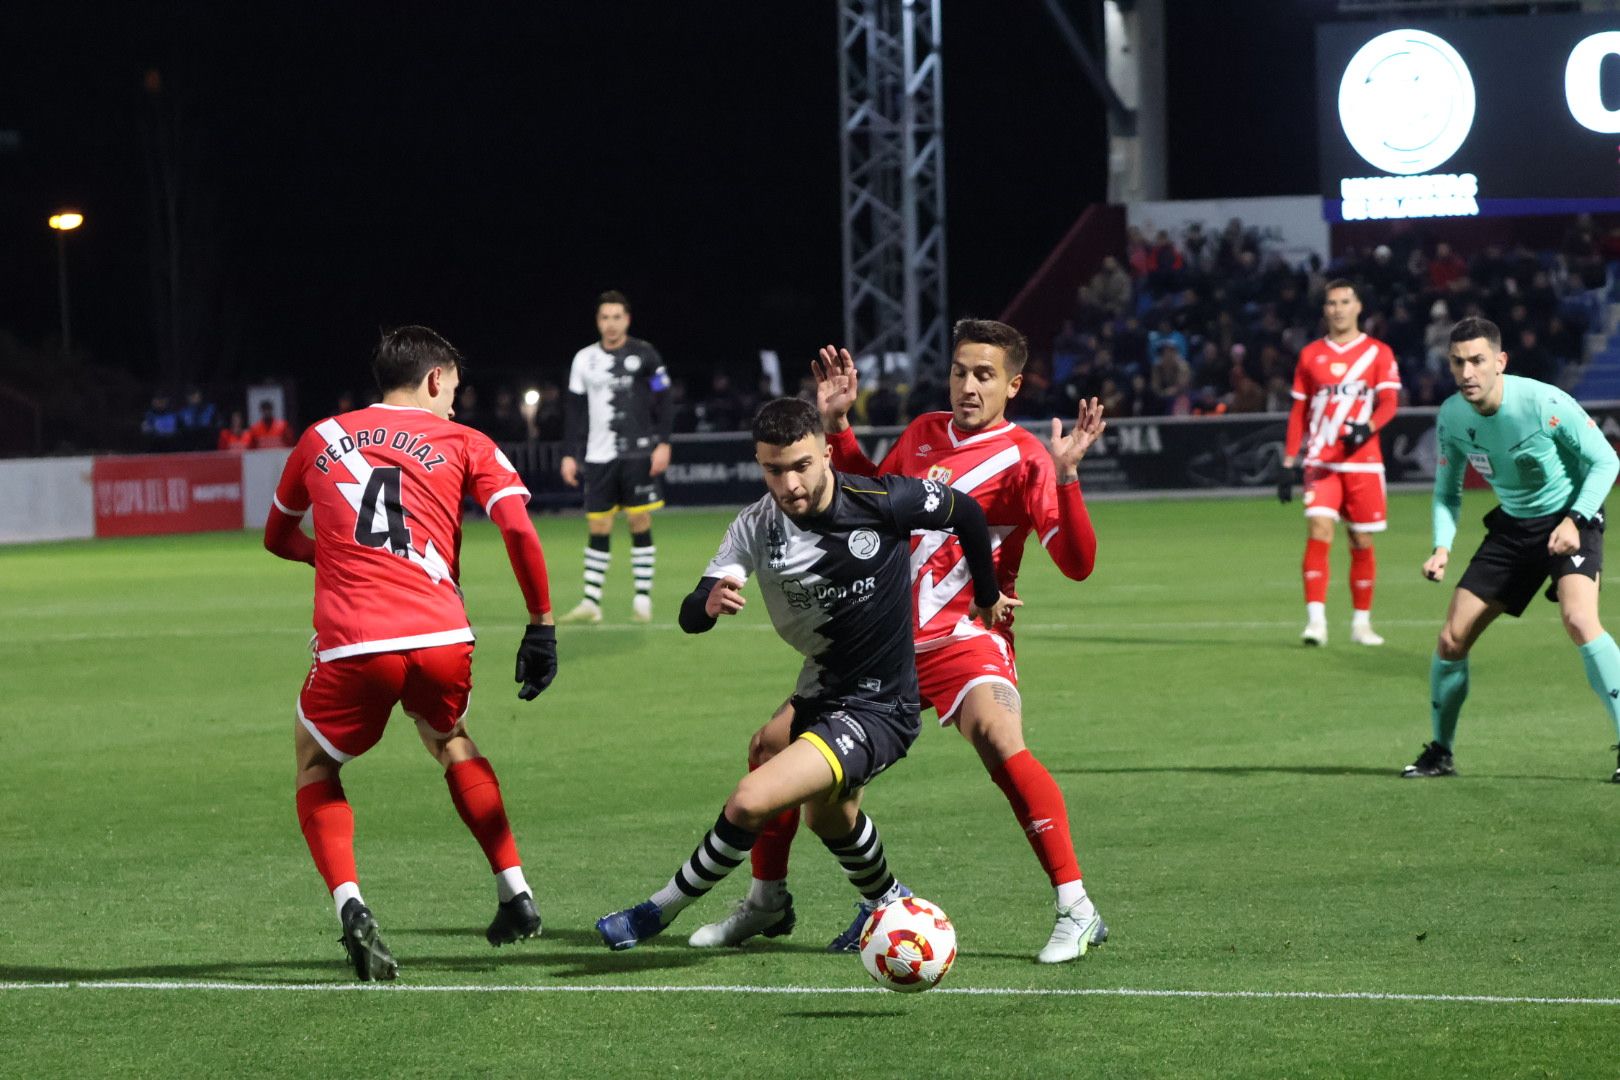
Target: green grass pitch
[[1234, 800]]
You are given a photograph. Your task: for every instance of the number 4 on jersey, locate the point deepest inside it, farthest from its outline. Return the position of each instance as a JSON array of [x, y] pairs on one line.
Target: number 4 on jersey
[[380, 505]]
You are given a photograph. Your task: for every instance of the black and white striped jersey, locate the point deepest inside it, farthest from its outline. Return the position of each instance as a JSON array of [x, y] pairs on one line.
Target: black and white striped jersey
[[837, 585], [618, 402]]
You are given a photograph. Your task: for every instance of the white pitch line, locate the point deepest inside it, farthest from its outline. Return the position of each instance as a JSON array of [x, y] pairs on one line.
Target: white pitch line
[[958, 991], [1101, 626]]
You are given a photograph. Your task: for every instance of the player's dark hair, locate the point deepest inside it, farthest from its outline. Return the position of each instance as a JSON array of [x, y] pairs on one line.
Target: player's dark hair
[[990, 332], [613, 296], [784, 421], [1475, 327], [1343, 283], [405, 354]]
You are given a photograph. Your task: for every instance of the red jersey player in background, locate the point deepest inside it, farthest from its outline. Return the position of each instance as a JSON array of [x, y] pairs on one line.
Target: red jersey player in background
[[384, 485], [966, 673], [1346, 388]]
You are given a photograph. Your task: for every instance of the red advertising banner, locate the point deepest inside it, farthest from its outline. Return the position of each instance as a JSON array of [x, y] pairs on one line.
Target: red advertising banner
[[167, 493]]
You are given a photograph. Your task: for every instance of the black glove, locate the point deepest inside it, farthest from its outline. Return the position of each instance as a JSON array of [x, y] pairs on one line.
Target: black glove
[[1355, 434], [536, 660], [1291, 475]]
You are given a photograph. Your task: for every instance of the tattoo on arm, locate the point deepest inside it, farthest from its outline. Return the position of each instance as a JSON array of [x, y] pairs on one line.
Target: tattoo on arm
[[1007, 698]]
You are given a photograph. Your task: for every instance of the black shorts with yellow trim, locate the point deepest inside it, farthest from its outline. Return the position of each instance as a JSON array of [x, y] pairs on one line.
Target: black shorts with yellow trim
[[624, 484], [858, 737]]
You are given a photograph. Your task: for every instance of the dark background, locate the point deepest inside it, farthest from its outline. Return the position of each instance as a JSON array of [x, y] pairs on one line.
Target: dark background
[[1524, 142], [488, 170]]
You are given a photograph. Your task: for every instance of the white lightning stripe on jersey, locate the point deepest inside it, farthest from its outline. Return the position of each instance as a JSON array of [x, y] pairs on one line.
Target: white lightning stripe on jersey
[[1357, 369], [429, 559], [992, 466], [932, 597]]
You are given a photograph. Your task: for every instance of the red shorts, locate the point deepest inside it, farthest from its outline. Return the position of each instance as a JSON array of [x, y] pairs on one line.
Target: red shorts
[[1357, 497], [345, 703], [945, 674]]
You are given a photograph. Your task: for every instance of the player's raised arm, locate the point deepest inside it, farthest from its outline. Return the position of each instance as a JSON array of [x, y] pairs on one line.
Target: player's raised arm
[[283, 536], [837, 390], [1059, 508]]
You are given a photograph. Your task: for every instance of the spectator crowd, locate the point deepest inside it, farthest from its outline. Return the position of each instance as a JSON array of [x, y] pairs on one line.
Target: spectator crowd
[[1207, 322]]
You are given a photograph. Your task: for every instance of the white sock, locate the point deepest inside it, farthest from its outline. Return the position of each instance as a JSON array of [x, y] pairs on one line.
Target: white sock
[[1071, 894], [767, 895], [1315, 611], [509, 883], [343, 894], [1360, 618], [892, 895]]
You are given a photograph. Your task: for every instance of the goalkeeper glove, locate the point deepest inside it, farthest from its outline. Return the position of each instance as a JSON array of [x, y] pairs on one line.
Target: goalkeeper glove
[[1291, 475], [536, 660], [1355, 434]]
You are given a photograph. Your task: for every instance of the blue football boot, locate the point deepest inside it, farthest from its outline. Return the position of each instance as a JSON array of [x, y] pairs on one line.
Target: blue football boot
[[628, 928], [850, 939]]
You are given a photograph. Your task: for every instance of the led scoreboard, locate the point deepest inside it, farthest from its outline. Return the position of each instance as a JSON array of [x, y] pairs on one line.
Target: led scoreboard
[[1495, 115]]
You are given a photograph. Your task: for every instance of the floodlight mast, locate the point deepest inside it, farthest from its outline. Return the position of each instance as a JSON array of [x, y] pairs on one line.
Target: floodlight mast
[[892, 164]]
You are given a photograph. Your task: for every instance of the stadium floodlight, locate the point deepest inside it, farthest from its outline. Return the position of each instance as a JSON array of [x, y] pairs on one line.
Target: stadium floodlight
[[64, 222], [531, 397]]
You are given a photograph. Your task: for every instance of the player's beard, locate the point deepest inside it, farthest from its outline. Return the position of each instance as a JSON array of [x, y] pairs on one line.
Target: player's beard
[[812, 503]]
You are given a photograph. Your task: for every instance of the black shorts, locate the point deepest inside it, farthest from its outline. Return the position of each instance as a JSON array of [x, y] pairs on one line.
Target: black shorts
[[1512, 562], [858, 737], [624, 483]]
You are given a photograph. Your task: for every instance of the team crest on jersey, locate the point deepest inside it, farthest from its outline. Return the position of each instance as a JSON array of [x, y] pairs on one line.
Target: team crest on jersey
[[864, 543], [1337, 367], [940, 473], [632, 363]]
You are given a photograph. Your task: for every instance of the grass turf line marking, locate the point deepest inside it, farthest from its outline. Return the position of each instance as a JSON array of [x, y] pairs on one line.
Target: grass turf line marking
[[955, 991], [1066, 628]]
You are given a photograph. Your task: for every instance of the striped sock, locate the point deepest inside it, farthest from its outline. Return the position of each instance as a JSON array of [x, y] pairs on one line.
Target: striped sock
[[861, 855], [598, 555], [642, 558], [721, 852]]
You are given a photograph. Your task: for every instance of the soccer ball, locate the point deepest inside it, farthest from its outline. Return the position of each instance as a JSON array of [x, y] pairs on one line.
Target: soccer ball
[[908, 945]]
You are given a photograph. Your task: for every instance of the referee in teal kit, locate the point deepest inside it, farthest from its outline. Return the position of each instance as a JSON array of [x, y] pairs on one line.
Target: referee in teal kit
[[1551, 468]]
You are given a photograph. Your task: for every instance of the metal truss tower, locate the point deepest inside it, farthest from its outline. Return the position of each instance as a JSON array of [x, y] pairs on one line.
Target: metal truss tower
[[892, 136]]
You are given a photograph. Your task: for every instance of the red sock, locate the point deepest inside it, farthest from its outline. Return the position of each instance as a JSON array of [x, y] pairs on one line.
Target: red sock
[[1316, 571], [328, 823], [1363, 572], [769, 856], [477, 795], [1037, 802]]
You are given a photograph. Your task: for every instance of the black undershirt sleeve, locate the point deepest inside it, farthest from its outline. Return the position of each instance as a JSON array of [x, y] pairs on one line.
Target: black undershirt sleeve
[[693, 618]]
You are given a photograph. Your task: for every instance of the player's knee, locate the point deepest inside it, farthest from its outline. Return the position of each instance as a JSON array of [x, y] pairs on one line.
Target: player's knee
[[750, 805], [1582, 626], [600, 526], [1451, 645], [639, 523]]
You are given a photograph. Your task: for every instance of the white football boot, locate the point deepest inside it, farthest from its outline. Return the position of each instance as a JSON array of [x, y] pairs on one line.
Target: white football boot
[[587, 611], [1363, 634], [641, 608], [744, 922], [1315, 632], [1077, 929]]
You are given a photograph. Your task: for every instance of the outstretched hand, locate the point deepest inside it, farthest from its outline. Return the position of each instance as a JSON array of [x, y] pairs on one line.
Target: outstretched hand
[[837, 386], [1067, 450]]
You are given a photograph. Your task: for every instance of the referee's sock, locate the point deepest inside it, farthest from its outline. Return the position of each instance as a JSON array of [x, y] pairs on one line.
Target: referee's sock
[[1448, 689], [1602, 659]]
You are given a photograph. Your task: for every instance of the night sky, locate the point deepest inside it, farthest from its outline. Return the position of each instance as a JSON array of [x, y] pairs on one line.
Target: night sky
[[487, 171]]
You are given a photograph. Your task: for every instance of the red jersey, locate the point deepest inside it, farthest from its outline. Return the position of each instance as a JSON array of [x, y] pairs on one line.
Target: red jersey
[[385, 484], [1010, 473], [232, 440], [1334, 385]]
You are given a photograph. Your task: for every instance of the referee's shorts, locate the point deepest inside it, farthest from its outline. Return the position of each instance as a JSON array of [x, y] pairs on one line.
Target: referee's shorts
[[1512, 562]]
